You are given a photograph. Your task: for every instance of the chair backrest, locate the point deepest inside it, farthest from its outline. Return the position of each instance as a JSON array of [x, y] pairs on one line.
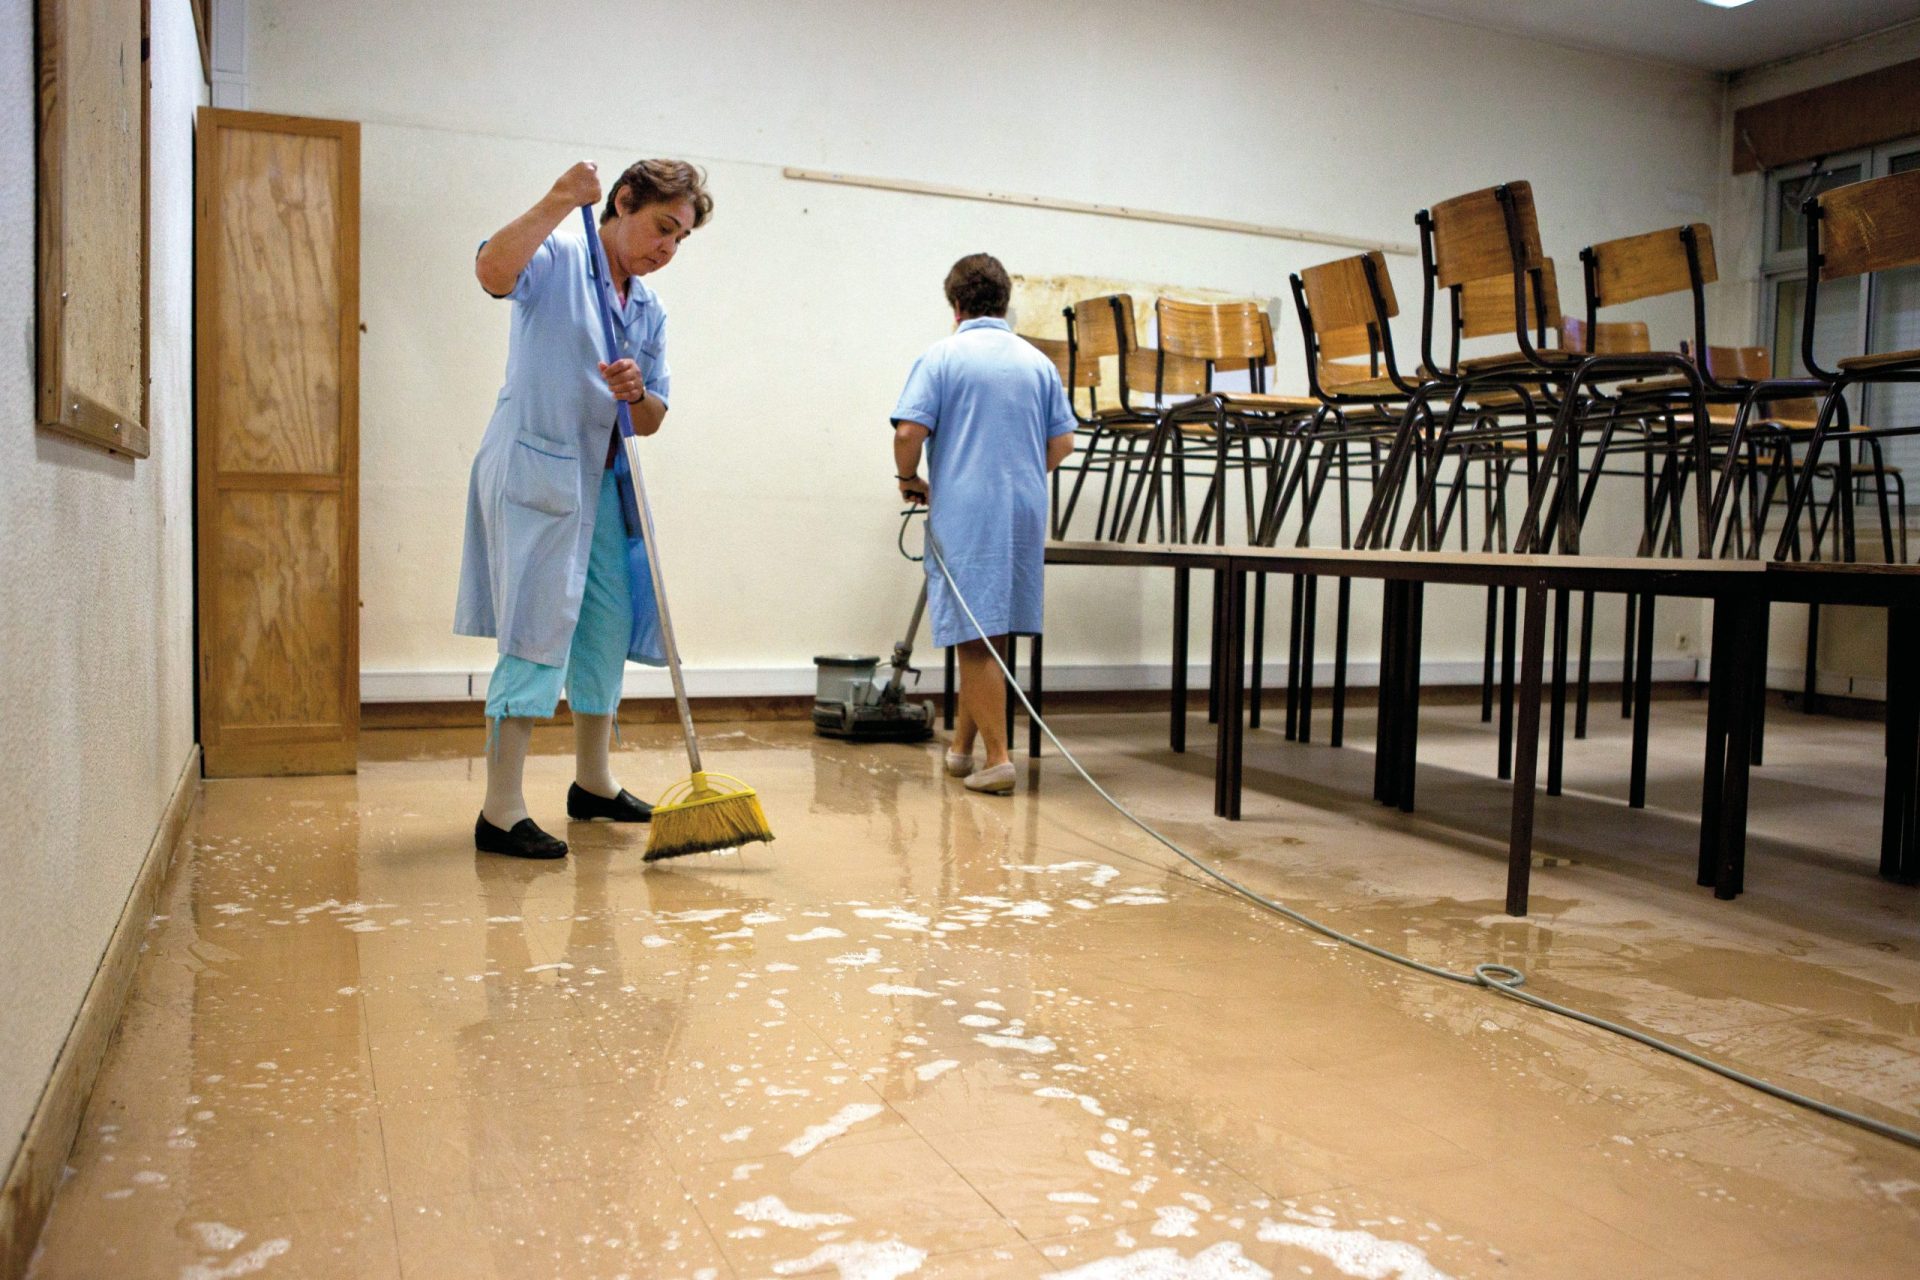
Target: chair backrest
[[1649, 265], [1220, 333], [1470, 234], [1608, 337], [1485, 307], [1338, 295], [1755, 364], [1176, 375], [1074, 374], [1868, 226], [1103, 326], [1337, 366]]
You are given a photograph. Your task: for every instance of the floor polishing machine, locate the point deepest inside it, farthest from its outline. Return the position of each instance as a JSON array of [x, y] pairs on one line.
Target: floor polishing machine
[[850, 701]]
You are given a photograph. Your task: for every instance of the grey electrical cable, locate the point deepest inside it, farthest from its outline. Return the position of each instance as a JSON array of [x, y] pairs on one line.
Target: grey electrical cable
[[1501, 978]]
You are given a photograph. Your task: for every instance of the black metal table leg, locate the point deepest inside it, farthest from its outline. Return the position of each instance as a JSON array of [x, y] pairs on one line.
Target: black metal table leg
[[1213, 647], [1259, 649], [1343, 604], [947, 698], [1642, 692], [1236, 690], [1409, 737], [1486, 661], [1714, 775], [1526, 753], [1309, 607], [1626, 659], [1013, 665], [1896, 852], [1035, 696], [1293, 661], [1557, 710], [1585, 687], [1508, 615], [1749, 643], [1182, 590], [1385, 753]]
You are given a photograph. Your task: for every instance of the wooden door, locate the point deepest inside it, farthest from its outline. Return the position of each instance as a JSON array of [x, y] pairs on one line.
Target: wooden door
[[277, 320]]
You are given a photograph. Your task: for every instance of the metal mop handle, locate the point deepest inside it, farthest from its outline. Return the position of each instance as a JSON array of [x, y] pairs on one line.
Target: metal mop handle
[[603, 276]]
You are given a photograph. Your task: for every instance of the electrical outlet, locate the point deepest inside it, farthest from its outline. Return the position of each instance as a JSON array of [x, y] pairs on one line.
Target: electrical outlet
[[1683, 640]]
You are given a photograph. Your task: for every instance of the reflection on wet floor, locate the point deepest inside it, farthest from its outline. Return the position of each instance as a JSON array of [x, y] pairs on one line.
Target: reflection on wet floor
[[943, 1035]]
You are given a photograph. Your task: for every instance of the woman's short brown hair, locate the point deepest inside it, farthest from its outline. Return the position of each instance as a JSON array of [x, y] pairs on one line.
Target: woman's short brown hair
[[978, 286], [660, 182]]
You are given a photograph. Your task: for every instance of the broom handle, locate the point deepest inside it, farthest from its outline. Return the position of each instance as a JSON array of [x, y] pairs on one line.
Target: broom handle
[[603, 279]]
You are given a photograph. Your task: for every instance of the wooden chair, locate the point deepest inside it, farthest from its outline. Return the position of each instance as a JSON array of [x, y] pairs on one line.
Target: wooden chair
[[1101, 329], [1219, 338], [1851, 231], [1484, 236]]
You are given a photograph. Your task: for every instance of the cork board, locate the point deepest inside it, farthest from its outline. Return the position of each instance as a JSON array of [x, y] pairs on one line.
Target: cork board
[[93, 91]]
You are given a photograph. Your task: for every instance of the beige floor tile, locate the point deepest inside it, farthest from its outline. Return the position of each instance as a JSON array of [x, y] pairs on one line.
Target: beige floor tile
[[479, 1143], [487, 1059], [899, 1195], [636, 1223], [152, 1236]]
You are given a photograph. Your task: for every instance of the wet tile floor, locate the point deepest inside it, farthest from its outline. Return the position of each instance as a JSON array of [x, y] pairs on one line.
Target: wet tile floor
[[943, 1035]]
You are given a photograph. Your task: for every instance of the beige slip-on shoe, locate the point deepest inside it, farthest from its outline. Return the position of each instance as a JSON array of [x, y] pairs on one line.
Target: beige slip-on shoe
[[997, 781]]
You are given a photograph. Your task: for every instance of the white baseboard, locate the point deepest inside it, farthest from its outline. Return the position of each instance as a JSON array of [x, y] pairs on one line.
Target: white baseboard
[[775, 682]]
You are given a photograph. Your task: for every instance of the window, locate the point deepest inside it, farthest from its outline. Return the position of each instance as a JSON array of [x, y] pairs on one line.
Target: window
[[1878, 312]]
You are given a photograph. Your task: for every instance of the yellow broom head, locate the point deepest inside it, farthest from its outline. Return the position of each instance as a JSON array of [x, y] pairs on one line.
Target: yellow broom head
[[708, 811]]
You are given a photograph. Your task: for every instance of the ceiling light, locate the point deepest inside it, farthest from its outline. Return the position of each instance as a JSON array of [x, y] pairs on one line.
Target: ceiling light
[[1726, 4]]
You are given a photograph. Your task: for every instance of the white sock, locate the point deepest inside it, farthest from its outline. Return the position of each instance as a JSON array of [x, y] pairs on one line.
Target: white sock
[[506, 769], [592, 755]]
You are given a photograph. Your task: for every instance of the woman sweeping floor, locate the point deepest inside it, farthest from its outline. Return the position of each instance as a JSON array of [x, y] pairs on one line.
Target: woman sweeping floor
[[546, 568]]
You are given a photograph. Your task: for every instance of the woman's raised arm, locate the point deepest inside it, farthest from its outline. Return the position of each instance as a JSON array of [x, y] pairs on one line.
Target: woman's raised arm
[[508, 251]]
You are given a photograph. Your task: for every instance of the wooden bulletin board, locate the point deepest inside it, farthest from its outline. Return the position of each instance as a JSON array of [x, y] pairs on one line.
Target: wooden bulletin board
[[94, 91]]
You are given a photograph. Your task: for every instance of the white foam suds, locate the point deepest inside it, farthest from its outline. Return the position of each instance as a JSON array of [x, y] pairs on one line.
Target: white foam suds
[[761, 917], [218, 1236], [1026, 1044], [1072, 1197], [1175, 1221], [741, 1134], [934, 1070], [1355, 1253], [843, 1119], [1101, 1160], [1033, 910], [1137, 898], [858, 1260], [856, 959], [772, 1209], [978, 1020], [896, 918], [815, 935], [655, 940], [696, 917], [781, 966], [244, 1265], [543, 968], [1222, 1261], [889, 989]]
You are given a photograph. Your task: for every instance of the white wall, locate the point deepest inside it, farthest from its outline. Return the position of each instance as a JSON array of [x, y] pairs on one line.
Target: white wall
[[96, 595], [797, 312]]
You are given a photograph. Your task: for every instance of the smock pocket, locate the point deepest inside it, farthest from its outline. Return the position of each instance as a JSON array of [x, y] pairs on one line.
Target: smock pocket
[[543, 479]]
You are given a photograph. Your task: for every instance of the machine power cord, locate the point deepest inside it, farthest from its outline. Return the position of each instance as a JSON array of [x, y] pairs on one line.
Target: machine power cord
[[1501, 978]]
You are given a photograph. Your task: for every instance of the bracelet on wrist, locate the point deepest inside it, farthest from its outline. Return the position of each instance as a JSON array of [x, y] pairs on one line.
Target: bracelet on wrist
[[905, 479]]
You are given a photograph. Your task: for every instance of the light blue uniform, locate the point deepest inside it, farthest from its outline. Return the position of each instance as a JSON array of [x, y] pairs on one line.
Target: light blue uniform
[[991, 401], [540, 490]]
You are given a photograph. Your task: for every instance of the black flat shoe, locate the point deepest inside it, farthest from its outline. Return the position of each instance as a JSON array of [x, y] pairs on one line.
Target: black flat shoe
[[525, 840], [584, 806]]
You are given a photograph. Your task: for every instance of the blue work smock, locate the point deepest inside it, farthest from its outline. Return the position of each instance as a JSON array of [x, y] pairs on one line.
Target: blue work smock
[[532, 493], [990, 401]]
